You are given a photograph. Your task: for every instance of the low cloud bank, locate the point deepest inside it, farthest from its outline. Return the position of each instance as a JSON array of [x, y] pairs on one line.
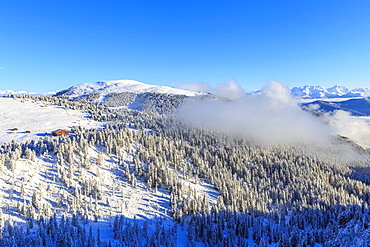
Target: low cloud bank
[[230, 90], [356, 129], [272, 117]]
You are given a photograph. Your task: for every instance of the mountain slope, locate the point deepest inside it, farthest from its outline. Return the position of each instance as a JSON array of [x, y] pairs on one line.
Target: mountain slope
[[357, 107], [120, 86], [147, 179], [153, 180], [135, 95], [37, 118]]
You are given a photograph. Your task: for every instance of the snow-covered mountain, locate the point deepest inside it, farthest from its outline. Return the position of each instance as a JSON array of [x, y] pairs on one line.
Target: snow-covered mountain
[[9, 92], [134, 95], [316, 92], [356, 106], [137, 178], [122, 86], [329, 100], [12, 92]]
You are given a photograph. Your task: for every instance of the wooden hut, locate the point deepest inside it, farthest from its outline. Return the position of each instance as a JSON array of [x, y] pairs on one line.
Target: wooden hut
[[60, 133]]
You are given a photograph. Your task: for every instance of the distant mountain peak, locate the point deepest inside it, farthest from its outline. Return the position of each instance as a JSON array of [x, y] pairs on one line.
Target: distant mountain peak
[[10, 92], [337, 91]]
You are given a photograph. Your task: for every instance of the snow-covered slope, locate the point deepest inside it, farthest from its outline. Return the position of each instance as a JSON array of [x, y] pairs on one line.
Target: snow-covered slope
[[135, 95], [357, 107], [120, 86], [36, 118], [31, 182], [144, 180]]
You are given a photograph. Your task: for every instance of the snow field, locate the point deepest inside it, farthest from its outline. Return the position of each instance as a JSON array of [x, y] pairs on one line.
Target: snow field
[[37, 118]]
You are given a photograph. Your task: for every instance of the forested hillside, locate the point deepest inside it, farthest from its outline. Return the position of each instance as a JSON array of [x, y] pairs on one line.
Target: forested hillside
[[149, 178]]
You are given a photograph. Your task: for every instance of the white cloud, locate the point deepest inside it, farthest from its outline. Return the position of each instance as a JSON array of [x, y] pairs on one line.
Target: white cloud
[[277, 93], [271, 117], [355, 128], [367, 94], [196, 87], [313, 107], [230, 89]]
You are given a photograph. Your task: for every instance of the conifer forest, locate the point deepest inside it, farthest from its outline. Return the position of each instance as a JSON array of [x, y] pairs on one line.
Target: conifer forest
[[150, 178]]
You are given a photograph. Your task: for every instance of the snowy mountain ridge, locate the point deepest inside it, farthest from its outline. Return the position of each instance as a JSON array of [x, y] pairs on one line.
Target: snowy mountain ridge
[[8, 92], [104, 88], [121, 86], [134, 95], [337, 91]]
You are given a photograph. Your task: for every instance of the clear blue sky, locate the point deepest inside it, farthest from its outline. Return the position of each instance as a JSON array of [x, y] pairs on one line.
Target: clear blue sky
[[52, 45]]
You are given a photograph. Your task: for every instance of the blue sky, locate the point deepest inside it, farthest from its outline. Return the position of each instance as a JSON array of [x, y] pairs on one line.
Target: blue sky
[[52, 45]]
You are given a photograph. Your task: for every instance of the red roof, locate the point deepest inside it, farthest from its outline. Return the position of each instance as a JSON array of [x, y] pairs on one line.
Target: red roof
[[60, 133]]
